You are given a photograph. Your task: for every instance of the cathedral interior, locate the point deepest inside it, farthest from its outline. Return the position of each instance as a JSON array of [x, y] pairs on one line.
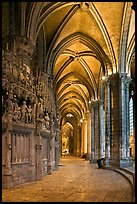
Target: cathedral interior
[[68, 86]]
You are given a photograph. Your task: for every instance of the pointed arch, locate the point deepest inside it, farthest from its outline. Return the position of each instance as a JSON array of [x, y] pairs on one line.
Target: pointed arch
[[124, 37]]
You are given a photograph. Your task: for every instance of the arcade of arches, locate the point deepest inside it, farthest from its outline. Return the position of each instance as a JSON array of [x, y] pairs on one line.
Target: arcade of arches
[[68, 84]]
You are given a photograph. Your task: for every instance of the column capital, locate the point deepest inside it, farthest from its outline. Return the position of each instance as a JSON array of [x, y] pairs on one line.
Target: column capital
[[88, 115], [125, 78], [106, 79], [94, 102], [101, 101]]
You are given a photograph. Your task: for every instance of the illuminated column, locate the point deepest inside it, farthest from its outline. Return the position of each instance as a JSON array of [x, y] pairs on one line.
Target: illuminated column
[[78, 141], [88, 116], [125, 159], [119, 121], [75, 143], [128, 80], [84, 136], [102, 128], [92, 132], [96, 131], [107, 121]]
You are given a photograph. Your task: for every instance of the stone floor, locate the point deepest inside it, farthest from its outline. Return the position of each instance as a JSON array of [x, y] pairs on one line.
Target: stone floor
[[77, 180]]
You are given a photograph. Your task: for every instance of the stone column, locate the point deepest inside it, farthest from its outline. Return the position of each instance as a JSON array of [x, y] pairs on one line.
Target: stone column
[[134, 115], [115, 120], [57, 154], [108, 121], [53, 146], [13, 148], [102, 128], [102, 118], [21, 148], [123, 117], [50, 152], [57, 145], [119, 121], [78, 141], [40, 51], [38, 150], [88, 116], [75, 143], [8, 170], [32, 156], [125, 160], [96, 131], [24, 147], [92, 132], [127, 118], [17, 147], [84, 136]]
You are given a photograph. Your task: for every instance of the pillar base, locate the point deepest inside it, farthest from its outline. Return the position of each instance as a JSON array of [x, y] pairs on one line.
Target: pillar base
[[7, 181], [39, 177], [126, 162], [88, 157], [49, 168], [107, 163], [114, 163], [56, 168]]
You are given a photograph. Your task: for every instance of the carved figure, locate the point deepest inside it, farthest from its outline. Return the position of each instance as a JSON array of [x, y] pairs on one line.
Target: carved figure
[[24, 109], [40, 109], [29, 114], [47, 120], [18, 114]]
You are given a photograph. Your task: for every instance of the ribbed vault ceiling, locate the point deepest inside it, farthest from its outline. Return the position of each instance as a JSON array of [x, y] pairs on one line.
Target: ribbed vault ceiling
[[82, 44], [78, 34]]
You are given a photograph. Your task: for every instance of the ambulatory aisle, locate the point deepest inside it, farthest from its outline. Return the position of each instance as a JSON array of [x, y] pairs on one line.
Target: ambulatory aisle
[[77, 180]]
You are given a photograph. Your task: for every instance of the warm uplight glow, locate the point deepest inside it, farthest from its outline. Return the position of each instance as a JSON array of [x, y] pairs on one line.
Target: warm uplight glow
[[70, 115], [103, 78], [81, 120]]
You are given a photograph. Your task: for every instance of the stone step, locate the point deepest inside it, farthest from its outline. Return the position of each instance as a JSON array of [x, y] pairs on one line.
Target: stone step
[[130, 176], [129, 171], [126, 174]]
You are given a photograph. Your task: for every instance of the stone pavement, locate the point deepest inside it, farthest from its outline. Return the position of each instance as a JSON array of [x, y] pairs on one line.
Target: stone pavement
[[77, 180]]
